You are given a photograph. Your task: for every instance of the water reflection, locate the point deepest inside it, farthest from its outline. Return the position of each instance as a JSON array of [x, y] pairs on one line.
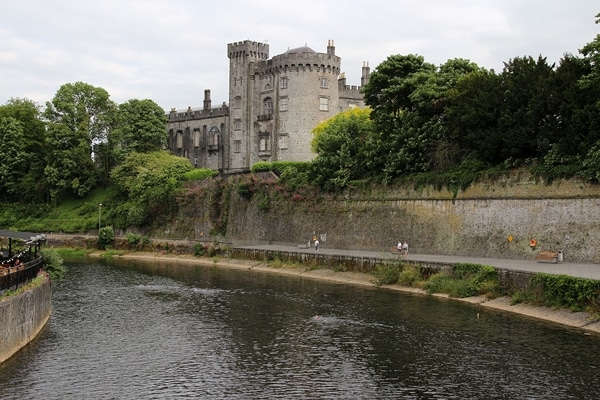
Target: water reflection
[[132, 330]]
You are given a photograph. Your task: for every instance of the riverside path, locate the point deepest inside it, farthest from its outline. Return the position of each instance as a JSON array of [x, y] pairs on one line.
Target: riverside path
[[580, 270]]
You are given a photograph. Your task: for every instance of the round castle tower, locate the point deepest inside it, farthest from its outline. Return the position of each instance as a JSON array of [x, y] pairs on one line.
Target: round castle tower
[[276, 103]]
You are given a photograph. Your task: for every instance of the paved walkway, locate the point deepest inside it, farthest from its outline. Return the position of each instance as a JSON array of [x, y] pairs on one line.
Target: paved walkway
[[581, 270]]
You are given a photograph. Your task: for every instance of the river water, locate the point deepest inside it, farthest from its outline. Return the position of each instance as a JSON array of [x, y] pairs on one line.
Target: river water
[[149, 330]]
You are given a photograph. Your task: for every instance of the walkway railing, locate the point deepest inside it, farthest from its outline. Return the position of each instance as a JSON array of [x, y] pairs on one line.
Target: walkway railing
[[11, 277]]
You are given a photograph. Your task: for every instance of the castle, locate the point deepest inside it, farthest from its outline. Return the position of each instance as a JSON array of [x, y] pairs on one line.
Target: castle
[[273, 106]]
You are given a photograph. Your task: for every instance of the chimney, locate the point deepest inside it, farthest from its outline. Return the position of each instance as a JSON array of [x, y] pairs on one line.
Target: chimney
[[207, 99], [366, 71], [330, 48]]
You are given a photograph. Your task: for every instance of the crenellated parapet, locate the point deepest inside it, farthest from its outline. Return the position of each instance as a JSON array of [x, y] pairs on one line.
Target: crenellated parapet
[[198, 113], [248, 49], [304, 59]]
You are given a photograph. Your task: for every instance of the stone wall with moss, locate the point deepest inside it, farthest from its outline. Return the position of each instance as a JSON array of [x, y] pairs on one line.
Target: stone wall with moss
[[488, 219]]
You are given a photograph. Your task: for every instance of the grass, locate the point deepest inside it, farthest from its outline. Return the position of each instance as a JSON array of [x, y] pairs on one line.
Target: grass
[[35, 282]]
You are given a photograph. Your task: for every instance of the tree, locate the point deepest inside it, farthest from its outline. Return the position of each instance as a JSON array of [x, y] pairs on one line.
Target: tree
[[140, 127], [79, 115], [85, 110], [31, 146], [13, 163], [391, 84], [69, 169], [591, 54], [525, 116], [345, 147], [149, 181], [472, 112]]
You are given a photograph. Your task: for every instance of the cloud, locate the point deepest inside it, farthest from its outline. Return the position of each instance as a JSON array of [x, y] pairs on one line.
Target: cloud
[[171, 51]]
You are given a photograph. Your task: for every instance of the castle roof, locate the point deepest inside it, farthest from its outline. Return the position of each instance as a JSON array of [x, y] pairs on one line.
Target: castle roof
[[303, 49]]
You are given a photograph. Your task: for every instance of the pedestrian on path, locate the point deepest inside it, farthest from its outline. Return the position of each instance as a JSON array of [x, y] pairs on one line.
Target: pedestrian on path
[[317, 245], [405, 248]]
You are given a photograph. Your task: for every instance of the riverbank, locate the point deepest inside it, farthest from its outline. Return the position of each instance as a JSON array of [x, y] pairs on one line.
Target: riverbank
[[581, 320]]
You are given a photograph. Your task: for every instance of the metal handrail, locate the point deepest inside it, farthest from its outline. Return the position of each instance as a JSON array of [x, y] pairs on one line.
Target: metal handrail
[[15, 276]]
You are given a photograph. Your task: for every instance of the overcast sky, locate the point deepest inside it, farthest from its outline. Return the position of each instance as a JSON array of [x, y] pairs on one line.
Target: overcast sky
[[171, 51]]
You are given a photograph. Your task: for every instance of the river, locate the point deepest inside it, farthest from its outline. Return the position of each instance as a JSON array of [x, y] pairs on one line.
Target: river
[[129, 329]]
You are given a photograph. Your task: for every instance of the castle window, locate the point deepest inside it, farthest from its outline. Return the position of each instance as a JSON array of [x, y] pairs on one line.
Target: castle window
[[283, 104], [268, 106], [283, 141], [283, 83], [323, 104], [324, 83], [264, 144], [237, 146], [237, 124], [238, 102], [196, 137], [179, 139], [268, 86]]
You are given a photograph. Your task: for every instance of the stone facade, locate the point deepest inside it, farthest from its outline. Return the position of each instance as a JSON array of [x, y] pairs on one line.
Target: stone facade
[[273, 106]]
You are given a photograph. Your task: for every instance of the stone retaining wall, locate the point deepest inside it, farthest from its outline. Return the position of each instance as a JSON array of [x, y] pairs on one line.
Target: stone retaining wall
[[23, 316]]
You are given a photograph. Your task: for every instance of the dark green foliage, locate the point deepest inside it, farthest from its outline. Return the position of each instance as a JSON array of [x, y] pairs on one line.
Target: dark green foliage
[[459, 120], [387, 274], [53, 263], [199, 250], [139, 128], [292, 174], [409, 275], [149, 181], [465, 280], [198, 174], [106, 237], [577, 294], [133, 239]]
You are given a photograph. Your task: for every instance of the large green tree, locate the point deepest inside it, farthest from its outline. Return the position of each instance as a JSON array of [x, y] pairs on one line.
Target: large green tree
[[79, 115], [23, 139], [140, 127], [346, 149], [14, 160]]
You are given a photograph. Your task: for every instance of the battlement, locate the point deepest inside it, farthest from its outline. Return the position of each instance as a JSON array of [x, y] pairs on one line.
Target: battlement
[[248, 48], [197, 113]]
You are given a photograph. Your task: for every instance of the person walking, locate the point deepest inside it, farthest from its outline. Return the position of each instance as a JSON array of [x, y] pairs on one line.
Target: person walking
[[317, 245]]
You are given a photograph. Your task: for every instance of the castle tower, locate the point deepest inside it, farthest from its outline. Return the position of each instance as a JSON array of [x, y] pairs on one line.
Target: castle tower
[[245, 59], [305, 93]]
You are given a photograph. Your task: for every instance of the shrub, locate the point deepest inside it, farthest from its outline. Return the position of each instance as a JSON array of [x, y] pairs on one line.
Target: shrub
[[574, 293], [409, 275], [199, 174], [133, 239], [199, 250], [53, 263], [387, 274], [106, 237], [438, 283]]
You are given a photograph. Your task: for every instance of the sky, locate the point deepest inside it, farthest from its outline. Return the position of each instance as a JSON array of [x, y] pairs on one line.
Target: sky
[[171, 51]]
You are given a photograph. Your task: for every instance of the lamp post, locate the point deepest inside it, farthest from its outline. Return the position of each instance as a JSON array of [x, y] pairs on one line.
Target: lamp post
[[99, 217]]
